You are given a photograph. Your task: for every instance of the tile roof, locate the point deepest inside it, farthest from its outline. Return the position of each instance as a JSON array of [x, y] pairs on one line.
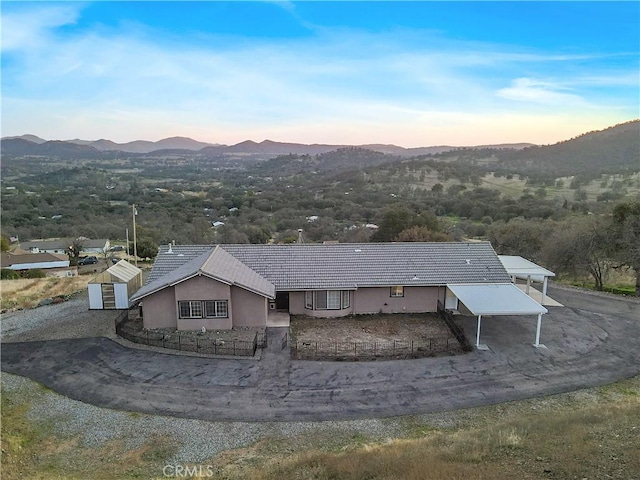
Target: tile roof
[[213, 262], [354, 265]]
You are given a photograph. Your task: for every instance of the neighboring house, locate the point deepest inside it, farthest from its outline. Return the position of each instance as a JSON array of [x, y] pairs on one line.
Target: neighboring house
[[62, 245], [52, 264], [225, 286]]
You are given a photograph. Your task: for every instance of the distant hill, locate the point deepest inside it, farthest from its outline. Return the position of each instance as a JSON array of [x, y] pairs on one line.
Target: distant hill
[[144, 146], [264, 150], [27, 137], [613, 150], [54, 148]]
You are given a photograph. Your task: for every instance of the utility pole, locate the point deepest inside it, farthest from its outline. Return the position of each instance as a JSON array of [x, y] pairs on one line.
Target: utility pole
[[135, 244], [128, 254]]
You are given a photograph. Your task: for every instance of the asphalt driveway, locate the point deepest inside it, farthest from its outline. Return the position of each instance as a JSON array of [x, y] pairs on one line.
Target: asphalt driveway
[[593, 340]]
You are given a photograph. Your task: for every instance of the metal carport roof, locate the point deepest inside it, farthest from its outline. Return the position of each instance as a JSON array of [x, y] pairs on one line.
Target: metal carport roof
[[498, 299], [522, 268]]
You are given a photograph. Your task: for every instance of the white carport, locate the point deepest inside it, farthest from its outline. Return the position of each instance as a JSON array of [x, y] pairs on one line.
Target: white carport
[[519, 267], [497, 299], [113, 287]]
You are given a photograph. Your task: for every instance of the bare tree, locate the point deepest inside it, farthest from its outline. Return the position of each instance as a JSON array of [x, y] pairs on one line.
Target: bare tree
[[578, 247]]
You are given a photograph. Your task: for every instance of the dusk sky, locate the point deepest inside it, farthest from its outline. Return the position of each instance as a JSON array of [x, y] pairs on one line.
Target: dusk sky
[[411, 74]]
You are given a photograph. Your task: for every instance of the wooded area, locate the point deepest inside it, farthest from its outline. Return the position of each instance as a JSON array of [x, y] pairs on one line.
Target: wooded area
[[573, 207]]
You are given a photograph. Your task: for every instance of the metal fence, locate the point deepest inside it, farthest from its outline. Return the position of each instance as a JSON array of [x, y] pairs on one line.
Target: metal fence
[[454, 327], [132, 330], [393, 349]]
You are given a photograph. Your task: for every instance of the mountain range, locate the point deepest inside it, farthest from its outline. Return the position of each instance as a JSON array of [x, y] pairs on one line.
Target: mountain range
[[33, 145]]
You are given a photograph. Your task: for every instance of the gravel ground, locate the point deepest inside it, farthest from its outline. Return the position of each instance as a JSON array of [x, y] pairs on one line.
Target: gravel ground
[[196, 440], [71, 319]]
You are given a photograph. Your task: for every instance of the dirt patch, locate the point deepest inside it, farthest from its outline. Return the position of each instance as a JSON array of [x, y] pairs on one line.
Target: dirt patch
[[237, 341], [371, 336]]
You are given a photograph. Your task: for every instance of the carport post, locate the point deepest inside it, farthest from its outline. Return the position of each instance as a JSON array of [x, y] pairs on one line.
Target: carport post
[[478, 334], [528, 283], [537, 344], [544, 290]]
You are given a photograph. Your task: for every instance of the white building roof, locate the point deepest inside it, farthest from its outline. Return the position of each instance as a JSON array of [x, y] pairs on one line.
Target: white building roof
[[124, 270], [523, 268], [497, 299]]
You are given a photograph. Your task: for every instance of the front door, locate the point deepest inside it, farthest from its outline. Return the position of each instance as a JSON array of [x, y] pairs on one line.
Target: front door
[[282, 301]]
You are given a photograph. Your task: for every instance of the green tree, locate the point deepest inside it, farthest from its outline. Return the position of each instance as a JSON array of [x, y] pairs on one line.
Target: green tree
[[147, 248], [626, 237], [4, 244], [422, 234]]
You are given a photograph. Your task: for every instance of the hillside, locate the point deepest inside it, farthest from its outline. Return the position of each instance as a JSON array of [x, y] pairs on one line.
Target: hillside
[[613, 150], [54, 148]]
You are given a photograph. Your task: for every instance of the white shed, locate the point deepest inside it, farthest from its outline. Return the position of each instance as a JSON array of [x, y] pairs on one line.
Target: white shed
[[113, 287]]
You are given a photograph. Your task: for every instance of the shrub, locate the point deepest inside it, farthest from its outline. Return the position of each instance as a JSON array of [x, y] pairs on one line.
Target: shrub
[[35, 273], [8, 274]]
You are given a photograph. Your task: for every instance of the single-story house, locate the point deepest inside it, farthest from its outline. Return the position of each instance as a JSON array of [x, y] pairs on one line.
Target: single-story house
[[224, 286], [62, 245], [53, 264]]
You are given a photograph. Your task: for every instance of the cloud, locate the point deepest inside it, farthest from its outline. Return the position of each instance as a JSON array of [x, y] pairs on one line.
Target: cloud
[[25, 29], [539, 92], [402, 86]]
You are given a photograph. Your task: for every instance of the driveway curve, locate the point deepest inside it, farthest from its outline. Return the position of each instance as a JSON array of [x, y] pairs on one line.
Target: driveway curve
[[593, 340]]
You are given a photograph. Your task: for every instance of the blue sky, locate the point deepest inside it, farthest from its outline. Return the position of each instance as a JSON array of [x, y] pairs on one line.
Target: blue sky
[[408, 73]]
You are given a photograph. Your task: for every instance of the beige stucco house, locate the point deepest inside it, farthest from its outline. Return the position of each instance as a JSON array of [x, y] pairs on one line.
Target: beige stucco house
[[226, 286]]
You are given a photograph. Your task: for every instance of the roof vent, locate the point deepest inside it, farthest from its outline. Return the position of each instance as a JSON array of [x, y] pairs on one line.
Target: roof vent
[[415, 277], [468, 261], [357, 250], [181, 254]]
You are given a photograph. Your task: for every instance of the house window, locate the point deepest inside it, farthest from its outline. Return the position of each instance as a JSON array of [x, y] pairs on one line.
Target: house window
[[216, 308], [190, 309], [333, 299], [206, 309], [327, 299], [345, 299], [308, 300], [397, 291]]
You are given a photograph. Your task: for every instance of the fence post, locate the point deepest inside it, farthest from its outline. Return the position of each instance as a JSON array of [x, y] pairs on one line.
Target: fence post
[[336, 348], [394, 347], [234, 348], [375, 344], [411, 347], [197, 345], [147, 337], [355, 349], [316, 349], [179, 345], [430, 346]]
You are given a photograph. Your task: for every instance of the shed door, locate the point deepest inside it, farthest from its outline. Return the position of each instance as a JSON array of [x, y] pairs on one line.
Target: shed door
[[108, 296], [121, 293]]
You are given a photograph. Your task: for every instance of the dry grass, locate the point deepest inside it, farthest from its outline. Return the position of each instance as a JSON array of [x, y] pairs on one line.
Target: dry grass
[[587, 434], [594, 436], [27, 293]]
